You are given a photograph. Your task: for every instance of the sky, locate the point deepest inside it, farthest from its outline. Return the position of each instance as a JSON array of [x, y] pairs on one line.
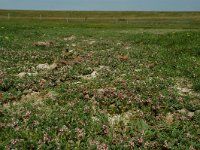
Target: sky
[[118, 5]]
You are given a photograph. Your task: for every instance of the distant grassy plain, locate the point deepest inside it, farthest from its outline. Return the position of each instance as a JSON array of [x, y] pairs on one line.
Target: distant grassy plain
[[99, 80]]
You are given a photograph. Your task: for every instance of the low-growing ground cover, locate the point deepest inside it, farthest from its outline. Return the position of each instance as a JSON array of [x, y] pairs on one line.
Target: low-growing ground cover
[[99, 86]]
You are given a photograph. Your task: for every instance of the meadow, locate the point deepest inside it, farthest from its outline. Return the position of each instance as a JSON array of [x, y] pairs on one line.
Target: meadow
[[99, 80]]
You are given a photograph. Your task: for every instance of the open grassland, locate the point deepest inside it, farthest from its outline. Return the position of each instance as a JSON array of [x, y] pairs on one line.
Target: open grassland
[[100, 85], [99, 14], [184, 19]]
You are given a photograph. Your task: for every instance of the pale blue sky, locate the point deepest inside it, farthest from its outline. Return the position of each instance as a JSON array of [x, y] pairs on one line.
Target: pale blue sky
[[134, 5]]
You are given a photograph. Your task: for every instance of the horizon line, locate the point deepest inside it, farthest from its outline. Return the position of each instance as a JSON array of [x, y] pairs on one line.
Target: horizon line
[[100, 10]]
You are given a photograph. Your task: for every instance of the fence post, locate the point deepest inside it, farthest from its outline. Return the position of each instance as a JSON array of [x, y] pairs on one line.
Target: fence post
[[86, 19], [8, 16], [40, 17], [127, 21], [115, 20]]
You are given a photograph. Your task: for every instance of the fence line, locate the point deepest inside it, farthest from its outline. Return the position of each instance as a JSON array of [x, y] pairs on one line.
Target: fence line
[[103, 19], [68, 19]]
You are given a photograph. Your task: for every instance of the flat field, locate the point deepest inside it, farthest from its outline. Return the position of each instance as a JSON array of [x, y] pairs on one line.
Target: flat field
[[128, 81]]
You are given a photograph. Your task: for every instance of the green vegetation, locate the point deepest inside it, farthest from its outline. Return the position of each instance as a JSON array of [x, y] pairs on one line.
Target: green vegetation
[[100, 85]]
